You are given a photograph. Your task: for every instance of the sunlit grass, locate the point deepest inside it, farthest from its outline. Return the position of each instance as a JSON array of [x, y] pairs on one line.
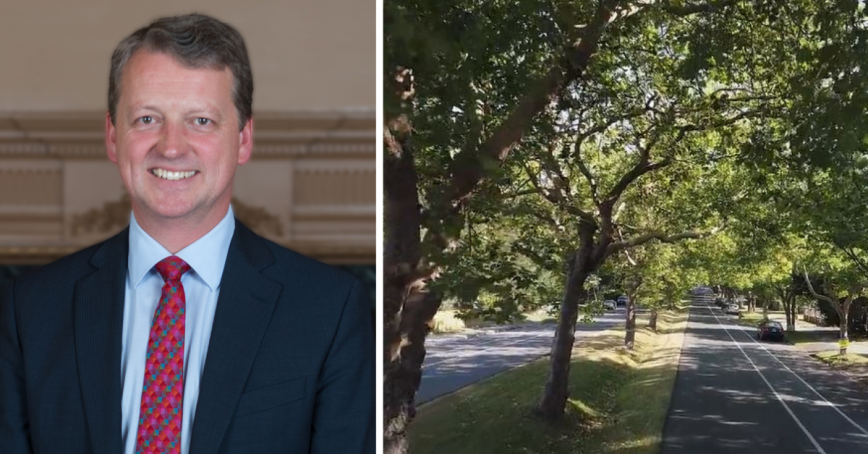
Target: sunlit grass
[[832, 358], [618, 402]]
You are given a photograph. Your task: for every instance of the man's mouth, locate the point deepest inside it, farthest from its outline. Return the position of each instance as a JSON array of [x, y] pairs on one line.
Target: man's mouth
[[171, 175]]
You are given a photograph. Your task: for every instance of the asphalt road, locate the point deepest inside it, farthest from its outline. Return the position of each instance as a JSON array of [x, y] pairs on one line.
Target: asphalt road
[[455, 361], [735, 394]]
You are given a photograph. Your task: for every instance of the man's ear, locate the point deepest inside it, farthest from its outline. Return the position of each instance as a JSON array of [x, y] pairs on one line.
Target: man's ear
[[111, 144], [245, 142]]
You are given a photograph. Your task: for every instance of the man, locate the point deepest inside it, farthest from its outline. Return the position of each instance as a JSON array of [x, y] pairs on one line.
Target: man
[[186, 332]]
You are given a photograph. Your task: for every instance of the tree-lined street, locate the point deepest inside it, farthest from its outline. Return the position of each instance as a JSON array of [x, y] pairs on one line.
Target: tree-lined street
[[557, 154]]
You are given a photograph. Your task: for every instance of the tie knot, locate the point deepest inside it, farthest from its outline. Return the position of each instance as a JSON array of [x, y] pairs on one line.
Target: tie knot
[[172, 268]]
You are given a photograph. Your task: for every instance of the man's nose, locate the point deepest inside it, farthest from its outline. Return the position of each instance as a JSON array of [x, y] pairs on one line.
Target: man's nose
[[173, 140]]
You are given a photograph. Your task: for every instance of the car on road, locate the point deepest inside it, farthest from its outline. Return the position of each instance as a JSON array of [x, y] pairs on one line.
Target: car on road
[[732, 309], [702, 290], [769, 329], [622, 300], [610, 305]]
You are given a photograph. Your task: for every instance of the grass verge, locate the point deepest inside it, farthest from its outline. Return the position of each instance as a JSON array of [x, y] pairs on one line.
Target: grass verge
[[852, 364], [619, 400], [792, 337], [833, 359]]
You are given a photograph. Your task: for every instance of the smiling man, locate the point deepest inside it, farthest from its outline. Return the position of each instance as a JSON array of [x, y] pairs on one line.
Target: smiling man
[[186, 332]]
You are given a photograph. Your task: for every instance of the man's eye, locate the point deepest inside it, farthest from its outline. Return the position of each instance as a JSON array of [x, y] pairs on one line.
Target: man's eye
[[203, 121], [146, 120]]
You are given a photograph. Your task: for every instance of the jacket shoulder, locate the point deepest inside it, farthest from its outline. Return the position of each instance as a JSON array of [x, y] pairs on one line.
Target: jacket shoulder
[[62, 274], [290, 262], [66, 270]]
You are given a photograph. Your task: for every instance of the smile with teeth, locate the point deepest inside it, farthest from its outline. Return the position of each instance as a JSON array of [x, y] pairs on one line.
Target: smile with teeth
[[167, 175]]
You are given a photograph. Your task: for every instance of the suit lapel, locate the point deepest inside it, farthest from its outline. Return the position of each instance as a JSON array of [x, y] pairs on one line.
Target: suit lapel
[[244, 308], [99, 308]]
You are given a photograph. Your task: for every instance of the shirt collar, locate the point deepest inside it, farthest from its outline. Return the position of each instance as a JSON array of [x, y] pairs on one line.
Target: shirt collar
[[206, 256]]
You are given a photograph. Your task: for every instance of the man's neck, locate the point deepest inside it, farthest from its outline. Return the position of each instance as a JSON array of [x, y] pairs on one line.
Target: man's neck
[[175, 234]]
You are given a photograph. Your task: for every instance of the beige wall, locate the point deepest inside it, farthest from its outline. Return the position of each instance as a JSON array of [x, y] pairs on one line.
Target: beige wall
[[306, 54]]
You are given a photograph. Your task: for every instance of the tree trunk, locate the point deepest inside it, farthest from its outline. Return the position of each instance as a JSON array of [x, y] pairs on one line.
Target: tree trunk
[[630, 325], [403, 370], [790, 310], [842, 335], [652, 322], [788, 316], [765, 309], [406, 305], [844, 315], [554, 400], [551, 407]]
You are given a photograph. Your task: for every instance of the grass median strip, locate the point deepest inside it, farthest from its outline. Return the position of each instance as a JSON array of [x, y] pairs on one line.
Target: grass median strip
[[618, 403]]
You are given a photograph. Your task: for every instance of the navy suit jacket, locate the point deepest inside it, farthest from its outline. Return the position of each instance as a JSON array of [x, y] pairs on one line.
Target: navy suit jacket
[[289, 368]]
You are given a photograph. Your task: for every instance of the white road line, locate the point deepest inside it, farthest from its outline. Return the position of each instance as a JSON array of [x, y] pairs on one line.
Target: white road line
[[828, 403], [780, 399]]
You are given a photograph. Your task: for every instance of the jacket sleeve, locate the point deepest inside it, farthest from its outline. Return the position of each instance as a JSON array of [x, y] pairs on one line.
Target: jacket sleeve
[[14, 428], [344, 410]]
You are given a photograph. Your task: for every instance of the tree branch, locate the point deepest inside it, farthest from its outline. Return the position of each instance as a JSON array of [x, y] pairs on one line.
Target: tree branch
[[467, 169], [852, 255], [817, 295], [641, 168], [695, 8], [519, 194], [656, 235], [588, 176], [557, 199]]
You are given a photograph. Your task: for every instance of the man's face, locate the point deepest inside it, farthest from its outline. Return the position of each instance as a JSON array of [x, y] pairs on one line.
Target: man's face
[[175, 138]]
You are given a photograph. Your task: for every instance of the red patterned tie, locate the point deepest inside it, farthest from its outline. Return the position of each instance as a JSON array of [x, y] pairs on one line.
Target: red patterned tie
[[163, 392]]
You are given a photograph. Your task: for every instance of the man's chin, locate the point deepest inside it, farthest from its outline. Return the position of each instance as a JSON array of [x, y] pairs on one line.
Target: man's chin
[[172, 212]]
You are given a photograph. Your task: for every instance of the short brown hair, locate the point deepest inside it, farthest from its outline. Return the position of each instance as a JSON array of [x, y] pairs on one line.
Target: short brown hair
[[195, 41]]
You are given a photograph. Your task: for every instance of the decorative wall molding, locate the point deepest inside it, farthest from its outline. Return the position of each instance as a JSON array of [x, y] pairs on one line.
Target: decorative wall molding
[[58, 193], [335, 188], [23, 183]]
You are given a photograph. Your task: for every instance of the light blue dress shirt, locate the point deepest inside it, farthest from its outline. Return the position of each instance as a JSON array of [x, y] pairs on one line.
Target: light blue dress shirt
[[206, 257]]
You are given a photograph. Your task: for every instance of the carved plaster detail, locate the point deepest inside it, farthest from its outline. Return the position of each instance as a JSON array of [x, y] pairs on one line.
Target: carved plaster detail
[[102, 220], [257, 219]]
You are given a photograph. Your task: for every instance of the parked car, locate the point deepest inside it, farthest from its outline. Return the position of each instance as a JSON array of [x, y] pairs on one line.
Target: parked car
[[732, 309], [720, 302], [622, 300], [610, 305], [769, 329]]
